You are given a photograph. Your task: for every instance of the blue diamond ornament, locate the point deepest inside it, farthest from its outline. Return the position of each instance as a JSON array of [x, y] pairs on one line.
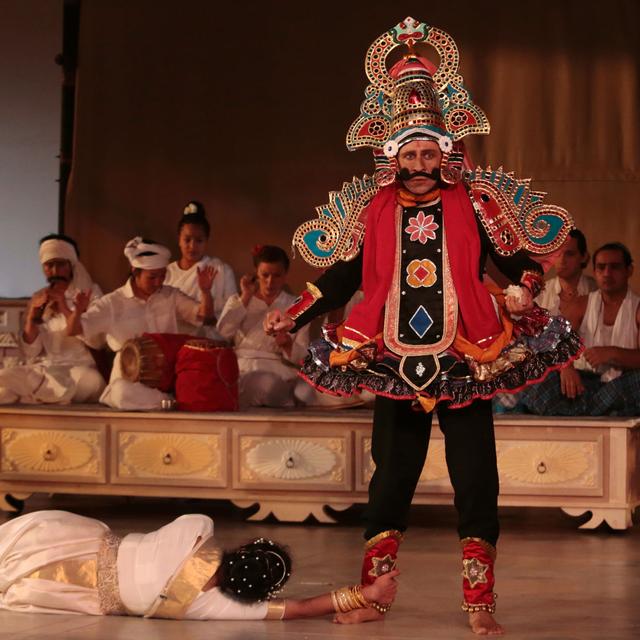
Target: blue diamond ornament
[[421, 321]]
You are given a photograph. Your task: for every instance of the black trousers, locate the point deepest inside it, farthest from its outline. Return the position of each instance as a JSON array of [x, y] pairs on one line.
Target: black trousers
[[399, 444]]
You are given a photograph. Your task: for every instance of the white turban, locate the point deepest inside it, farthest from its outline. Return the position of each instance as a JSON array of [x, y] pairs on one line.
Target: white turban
[[158, 259], [57, 249]]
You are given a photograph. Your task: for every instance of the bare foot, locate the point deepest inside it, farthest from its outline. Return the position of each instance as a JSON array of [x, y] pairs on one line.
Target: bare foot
[[357, 616], [484, 624]]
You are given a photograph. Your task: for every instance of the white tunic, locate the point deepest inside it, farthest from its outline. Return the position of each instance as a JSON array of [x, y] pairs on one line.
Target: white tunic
[[550, 297], [624, 332], [122, 316], [145, 564], [60, 368], [262, 363], [223, 287]]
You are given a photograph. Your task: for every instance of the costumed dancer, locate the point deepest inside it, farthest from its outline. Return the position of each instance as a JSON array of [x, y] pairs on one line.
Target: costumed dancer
[[428, 334], [193, 235], [142, 305], [60, 368], [268, 366], [60, 562]]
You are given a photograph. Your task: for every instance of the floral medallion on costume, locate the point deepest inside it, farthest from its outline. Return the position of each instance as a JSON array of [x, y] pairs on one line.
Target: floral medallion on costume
[[422, 228]]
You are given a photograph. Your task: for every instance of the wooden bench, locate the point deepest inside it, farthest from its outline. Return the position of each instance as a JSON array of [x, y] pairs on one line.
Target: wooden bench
[[294, 463]]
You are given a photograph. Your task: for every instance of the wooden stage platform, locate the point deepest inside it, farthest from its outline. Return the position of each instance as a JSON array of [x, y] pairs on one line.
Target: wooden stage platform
[[295, 463]]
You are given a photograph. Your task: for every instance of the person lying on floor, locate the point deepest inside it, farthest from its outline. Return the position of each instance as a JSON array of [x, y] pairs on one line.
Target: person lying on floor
[[60, 562]]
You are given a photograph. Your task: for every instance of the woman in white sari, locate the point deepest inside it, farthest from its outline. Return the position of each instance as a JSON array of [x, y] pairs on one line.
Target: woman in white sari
[[60, 562]]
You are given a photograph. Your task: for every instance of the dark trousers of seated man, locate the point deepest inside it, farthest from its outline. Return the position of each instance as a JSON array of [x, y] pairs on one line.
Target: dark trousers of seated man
[[399, 444]]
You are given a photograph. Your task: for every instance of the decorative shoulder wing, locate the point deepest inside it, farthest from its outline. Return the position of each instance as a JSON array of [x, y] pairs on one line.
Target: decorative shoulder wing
[[514, 216], [338, 231]]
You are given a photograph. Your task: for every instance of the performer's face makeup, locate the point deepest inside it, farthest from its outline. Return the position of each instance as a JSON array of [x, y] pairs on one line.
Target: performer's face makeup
[[271, 279], [148, 281], [420, 155], [610, 271], [192, 242], [57, 270]]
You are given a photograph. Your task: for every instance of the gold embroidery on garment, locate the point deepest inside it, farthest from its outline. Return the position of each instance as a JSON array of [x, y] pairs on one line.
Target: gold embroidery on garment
[[474, 571], [77, 571], [185, 585], [382, 565], [108, 587]]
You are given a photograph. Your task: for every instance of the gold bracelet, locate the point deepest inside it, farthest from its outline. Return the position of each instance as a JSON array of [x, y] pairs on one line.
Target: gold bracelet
[[276, 609], [334, 602], [359, 597]]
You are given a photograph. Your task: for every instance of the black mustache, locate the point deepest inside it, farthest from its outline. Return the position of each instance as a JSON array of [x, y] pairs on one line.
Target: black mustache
[[54, 279], [404, 174]]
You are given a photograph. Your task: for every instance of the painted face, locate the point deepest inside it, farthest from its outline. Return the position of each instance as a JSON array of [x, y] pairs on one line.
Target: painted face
[[570, 260], [612, 276], [420, 155], [271, 279], [192, 242], [148, 281], [57, 270]]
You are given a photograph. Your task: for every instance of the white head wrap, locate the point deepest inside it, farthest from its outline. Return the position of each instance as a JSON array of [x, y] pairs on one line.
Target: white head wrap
[[159, 259], [57, 249]]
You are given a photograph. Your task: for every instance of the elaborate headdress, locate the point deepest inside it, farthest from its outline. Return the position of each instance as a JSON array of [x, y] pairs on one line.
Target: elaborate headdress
[[415, 100]]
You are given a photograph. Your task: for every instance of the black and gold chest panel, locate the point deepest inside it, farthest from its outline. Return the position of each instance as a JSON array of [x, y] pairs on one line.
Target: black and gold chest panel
[[421, 309]]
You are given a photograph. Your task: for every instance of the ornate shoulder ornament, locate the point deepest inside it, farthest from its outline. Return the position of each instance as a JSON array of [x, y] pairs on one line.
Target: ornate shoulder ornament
[[514, 216], [338, 231]]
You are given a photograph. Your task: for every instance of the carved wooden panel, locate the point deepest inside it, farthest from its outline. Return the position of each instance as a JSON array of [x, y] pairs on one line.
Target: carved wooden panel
[[170, 458], [551, 466], [66, 454], [293, 462]]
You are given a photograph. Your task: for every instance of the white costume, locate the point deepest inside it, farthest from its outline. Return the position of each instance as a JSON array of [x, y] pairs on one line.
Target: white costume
[[59, 562], [60, 368], [549, 297], [122, 316], [267, 375], [623, 333], [223, 287]]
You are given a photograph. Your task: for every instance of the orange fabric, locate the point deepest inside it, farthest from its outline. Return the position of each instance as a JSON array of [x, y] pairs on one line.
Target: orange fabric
[[479, 354], [408, 199]]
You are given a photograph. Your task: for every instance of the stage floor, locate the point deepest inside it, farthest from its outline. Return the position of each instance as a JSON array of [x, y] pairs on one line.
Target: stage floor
[[553, 581]]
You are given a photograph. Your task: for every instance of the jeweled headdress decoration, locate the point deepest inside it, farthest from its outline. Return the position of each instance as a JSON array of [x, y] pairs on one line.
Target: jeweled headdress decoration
[[413, 96]]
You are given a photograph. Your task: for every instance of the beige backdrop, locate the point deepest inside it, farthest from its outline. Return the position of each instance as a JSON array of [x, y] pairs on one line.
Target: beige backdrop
[[246, 106]]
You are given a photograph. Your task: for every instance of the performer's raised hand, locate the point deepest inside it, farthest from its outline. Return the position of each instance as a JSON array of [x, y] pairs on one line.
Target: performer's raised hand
[[206, 276], [518, 302], [39, 299], [277, 321], [248, 288], [81, 301]]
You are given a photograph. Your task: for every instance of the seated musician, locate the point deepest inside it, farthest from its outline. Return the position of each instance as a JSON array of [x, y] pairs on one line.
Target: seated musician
[[142, 305], [268, 374], [606, 379], [60, 368], [193, 236]]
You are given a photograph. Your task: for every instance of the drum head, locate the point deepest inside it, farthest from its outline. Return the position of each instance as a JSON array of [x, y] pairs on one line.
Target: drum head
[[130, 358]]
